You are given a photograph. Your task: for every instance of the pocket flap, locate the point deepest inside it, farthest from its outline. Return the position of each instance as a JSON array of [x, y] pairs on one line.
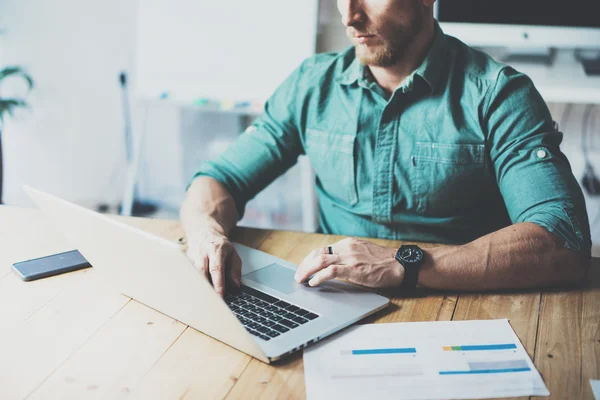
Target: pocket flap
[[450, 153], [330, 141]]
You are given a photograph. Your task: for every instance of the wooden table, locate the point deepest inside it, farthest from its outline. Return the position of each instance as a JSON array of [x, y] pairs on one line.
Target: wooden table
[[70, 337]]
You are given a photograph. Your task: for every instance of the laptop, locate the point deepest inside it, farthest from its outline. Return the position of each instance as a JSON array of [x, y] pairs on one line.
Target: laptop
[[272, 315]]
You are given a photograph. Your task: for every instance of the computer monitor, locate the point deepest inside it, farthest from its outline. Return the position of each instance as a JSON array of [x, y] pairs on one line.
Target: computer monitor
[[522, 23]]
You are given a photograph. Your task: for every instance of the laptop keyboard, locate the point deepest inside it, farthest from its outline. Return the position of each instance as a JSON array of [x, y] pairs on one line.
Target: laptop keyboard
[[265, 316]]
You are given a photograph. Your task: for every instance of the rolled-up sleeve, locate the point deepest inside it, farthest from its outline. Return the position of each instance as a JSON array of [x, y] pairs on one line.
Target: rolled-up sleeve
[[266, 150], [534, 176]]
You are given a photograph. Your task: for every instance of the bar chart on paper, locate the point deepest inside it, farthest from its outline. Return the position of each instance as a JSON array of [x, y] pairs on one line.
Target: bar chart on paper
[[422, 360]]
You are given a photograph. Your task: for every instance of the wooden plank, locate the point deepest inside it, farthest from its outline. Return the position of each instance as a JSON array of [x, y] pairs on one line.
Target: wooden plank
[[19, 300], [282, 380], [38, 346], [590, 332], [250, 236], [194, 367], [115, 358], [568, 342]]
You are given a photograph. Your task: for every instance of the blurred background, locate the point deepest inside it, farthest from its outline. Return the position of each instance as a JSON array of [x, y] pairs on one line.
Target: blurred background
[[131, 95]]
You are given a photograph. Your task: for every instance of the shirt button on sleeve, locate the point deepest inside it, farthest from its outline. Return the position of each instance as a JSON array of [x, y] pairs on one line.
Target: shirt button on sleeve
[[541, 153]]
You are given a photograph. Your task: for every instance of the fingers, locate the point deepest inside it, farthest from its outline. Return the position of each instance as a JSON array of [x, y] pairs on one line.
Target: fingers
[[217, 261], [199, 260], [314, 263], [235, 269], [331, 272]]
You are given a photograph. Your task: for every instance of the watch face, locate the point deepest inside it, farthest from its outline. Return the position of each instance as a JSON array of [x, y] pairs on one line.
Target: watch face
[[411, 254]]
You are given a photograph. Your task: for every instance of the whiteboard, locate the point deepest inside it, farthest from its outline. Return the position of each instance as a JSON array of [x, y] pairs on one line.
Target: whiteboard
[[230, 50]]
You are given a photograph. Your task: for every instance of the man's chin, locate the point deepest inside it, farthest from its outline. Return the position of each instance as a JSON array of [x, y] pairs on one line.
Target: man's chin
[[375, 57]]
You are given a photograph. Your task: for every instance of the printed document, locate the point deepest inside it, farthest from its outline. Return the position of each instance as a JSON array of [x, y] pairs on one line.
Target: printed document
[[422, 360]]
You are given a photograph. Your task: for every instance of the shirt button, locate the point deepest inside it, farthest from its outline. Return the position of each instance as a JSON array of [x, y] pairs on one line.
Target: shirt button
[[541, 153]]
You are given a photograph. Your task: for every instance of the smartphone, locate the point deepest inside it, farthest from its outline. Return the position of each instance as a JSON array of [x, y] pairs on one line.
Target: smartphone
[[54, 264]]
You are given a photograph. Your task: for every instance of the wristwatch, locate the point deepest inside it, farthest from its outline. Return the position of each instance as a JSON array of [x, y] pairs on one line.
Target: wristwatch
[[411, 257]]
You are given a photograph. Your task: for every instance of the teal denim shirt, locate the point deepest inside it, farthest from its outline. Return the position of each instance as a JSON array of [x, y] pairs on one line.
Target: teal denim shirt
[[464, 147]]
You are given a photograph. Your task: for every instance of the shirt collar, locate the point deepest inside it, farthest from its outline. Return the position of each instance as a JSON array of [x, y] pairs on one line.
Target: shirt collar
[[430, 69], [353, 72], [434, 63]]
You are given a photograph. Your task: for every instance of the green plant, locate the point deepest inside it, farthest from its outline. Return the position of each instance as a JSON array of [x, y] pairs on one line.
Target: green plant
[[9, 105]]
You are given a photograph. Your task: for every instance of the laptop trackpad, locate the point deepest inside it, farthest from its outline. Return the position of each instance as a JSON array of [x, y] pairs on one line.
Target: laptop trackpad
[[276, 277]]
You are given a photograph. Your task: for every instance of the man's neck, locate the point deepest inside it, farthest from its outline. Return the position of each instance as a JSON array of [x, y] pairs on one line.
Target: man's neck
[[389, 78]]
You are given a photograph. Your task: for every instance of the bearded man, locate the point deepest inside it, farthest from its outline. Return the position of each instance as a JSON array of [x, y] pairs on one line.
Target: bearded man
[[413, 136]]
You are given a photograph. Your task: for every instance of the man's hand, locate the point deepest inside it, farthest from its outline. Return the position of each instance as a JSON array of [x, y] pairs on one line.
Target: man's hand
[[355, 260], [214, 256]]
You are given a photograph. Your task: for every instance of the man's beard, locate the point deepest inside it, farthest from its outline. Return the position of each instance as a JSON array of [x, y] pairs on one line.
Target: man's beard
[[394, 44]]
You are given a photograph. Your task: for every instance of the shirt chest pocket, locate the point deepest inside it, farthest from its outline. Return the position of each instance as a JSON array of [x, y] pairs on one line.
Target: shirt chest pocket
[[332, 157], [446, 178]]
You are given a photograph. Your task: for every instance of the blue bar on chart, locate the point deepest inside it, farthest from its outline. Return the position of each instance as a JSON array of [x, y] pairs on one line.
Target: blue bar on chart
[[362, 352], [492, 367], [509, 346]]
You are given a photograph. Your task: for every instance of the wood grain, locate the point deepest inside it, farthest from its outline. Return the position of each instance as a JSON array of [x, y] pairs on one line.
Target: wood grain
[[194, 367], [568, 342], [35, 348], [72, 337], [115, 358]]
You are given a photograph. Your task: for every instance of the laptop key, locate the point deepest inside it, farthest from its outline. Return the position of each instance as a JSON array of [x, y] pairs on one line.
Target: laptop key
[[272, 333], [288, 323], [280, 328], [262, 304], [282, 304], [276, 318], [262, 329], [301, 312], [262, 313], [311, 316], [280, 312], [253, 332], [268, 323], [251, 316], [292, 308], [264, 337], [300, 320], [253, 325], [271, 308], [290, 316], [260, 320], [257, 293]]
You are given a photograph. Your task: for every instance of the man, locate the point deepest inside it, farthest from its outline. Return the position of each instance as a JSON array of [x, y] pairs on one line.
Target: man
[[413, 136]]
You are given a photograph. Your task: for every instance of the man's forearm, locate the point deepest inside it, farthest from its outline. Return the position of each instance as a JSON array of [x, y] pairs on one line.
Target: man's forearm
[[518, 256], [208, 206]]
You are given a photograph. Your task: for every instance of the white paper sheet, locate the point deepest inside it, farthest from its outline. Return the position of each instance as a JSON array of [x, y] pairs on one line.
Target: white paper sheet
[[422, 360], [595, 388]]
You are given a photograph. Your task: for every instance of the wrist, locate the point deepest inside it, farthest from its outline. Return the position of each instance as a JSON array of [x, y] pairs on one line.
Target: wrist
[[398, 268], [204, 228]]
